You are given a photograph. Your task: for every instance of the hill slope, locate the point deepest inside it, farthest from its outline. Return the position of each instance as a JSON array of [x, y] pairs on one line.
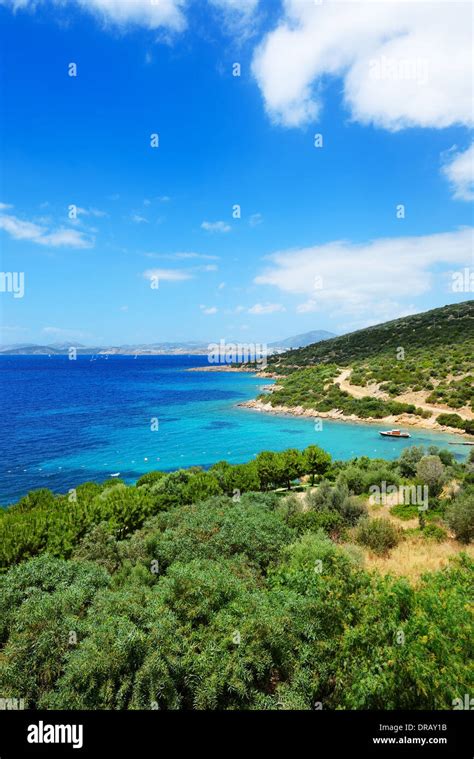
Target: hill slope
[[410, 370], [437, 328]]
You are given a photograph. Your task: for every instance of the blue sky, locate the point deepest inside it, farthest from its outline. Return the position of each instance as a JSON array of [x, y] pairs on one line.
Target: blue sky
[[321, 242]]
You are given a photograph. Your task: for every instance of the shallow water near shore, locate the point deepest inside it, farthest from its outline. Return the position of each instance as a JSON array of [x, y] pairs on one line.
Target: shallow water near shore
[[66, 422]]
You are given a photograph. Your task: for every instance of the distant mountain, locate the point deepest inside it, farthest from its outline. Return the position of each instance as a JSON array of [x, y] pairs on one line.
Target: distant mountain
[[57, 349], [153, 349], [300, 341]]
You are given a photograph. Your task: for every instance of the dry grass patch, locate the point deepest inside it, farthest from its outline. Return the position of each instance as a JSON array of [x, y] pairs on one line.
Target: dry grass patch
[[416, 555]]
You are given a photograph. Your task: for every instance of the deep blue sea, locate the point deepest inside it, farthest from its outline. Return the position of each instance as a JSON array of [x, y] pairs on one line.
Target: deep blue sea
[[65, 422]]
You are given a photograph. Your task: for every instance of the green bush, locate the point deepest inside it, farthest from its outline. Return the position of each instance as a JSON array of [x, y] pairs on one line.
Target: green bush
[[435, 532], [460, 516], [380, 535], [430, 471], [150, 478], [331, 522]]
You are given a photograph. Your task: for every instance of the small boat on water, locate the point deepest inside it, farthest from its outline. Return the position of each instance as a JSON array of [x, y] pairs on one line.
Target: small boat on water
[[394, 433]]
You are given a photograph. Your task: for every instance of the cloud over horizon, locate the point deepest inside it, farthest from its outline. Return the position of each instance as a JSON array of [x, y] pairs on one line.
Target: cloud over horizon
[[372, 280]]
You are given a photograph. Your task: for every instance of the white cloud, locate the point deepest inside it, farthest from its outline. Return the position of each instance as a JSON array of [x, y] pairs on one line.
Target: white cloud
[[215, 226], [138, 219], [168, 275], [183, 256], [403, 63], [367, 280], [5, 206], [308, 306], [196, 255], [459, 171], [237, 16], [65, 238], [265, 308], [123, 13], [65, 334], [245, 7], [19, 229], [209, 310], [255, 219], [90, 212], [207, 267], [28, 230]]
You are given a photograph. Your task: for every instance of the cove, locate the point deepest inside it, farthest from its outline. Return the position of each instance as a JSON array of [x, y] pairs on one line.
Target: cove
[[67, 422]]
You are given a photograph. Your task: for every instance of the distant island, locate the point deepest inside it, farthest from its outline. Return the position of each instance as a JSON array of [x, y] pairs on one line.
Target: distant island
[[153, 349], [300, 341]]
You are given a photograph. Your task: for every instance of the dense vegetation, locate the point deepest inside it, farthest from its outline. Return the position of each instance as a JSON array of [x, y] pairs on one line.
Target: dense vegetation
[[313, 388], [447, 332], [430, 352], [236, 588]]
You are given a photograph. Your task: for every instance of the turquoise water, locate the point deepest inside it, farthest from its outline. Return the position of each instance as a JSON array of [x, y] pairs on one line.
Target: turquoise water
[[65, 422]]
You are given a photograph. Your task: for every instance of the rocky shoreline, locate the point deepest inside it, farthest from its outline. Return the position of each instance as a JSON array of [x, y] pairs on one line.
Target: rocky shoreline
[[396, 420], [228, 368], [401, 420]]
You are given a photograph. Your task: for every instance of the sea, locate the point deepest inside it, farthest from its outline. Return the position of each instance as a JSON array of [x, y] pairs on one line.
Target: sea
[[65, 421]]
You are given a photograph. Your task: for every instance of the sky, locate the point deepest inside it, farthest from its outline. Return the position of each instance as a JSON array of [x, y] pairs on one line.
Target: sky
[[177, 170]]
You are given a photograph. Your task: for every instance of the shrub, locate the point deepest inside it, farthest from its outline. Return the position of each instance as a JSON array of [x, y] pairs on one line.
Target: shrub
[[355, 554], [42, 601], [100, 546], [430, 470], [380, 535], [435, 532], [460, 516], [217, 528], [352, 510], [150, 478], [330, 522], [454, 420], [319, 499], [409, 459]]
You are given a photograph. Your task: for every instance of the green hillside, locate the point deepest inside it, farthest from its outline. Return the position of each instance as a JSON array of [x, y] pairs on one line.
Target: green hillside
[[430, 353], [449, 327]]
